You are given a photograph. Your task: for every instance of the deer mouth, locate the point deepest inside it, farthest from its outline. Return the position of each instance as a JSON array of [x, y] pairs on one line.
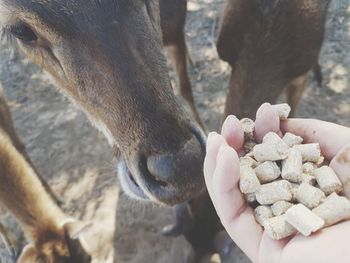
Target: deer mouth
[[128, 182], [166, 179]]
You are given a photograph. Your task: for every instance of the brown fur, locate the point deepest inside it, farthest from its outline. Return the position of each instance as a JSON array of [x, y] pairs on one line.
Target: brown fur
[[111, 65], [172, 21], [271, 46], [22, 192], [107, 57], [7, 125]]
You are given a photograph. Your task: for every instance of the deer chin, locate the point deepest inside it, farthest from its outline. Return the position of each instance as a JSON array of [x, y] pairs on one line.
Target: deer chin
[[129, 184]]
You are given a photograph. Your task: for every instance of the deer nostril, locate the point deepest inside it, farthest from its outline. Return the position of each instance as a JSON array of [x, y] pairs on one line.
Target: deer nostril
[[150, 175], [154, 179], [179, 168], [161, 168]]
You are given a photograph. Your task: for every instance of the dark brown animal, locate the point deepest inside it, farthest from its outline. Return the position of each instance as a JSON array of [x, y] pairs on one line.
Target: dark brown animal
[[55, 237], [271, 46], [198, 222], [107, 56], [196, 219], [172, 21]]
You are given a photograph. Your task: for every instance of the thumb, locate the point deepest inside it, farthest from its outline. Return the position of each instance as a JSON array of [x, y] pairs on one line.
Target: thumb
[[341, 166]]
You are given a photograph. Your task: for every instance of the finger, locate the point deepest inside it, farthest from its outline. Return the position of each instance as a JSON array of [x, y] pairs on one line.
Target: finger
[[233, 133], [236, 216], [214, 142], [341, 166], [332, 137], [229, 199], [267, 120]]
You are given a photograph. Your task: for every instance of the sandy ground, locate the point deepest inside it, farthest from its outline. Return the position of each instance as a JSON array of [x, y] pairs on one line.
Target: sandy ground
[[79, 165]]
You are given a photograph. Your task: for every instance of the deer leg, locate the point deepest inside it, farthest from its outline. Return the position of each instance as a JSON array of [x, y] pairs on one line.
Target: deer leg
[[225, 247], [230, 103], [59, 201], [198, 222], [318, 74], [184, 221], [179, 54], [190, 61], [54, 236], [205, 224], [295, 91], [7, 124]]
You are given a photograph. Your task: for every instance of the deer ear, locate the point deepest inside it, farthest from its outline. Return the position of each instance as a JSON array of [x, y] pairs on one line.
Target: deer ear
[[76, 245]]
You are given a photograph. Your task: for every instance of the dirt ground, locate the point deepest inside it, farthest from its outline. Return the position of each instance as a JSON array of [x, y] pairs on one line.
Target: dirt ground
[[79, 165]]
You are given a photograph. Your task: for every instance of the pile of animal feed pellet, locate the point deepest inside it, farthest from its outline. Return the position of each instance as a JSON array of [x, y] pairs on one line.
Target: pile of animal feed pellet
[[289, 184]]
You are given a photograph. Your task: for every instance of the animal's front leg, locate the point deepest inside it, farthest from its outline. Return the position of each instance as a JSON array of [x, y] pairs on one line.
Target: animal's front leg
[[184, 221]]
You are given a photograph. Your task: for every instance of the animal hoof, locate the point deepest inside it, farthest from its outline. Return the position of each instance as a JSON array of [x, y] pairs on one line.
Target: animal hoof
[[224, 245], [226, 251]]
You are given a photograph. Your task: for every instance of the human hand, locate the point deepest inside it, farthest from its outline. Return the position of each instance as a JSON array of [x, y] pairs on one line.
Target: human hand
[[221, 170]]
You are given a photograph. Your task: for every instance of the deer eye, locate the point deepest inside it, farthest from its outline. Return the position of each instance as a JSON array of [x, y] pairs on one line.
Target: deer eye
[[23, 33]]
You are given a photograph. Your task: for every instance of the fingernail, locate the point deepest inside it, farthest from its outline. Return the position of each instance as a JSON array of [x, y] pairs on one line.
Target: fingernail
[[230, 120], [210, 138], [262, 108]]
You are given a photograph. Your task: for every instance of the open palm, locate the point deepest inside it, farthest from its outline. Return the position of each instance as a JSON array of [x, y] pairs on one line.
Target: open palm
[[221, 169]]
